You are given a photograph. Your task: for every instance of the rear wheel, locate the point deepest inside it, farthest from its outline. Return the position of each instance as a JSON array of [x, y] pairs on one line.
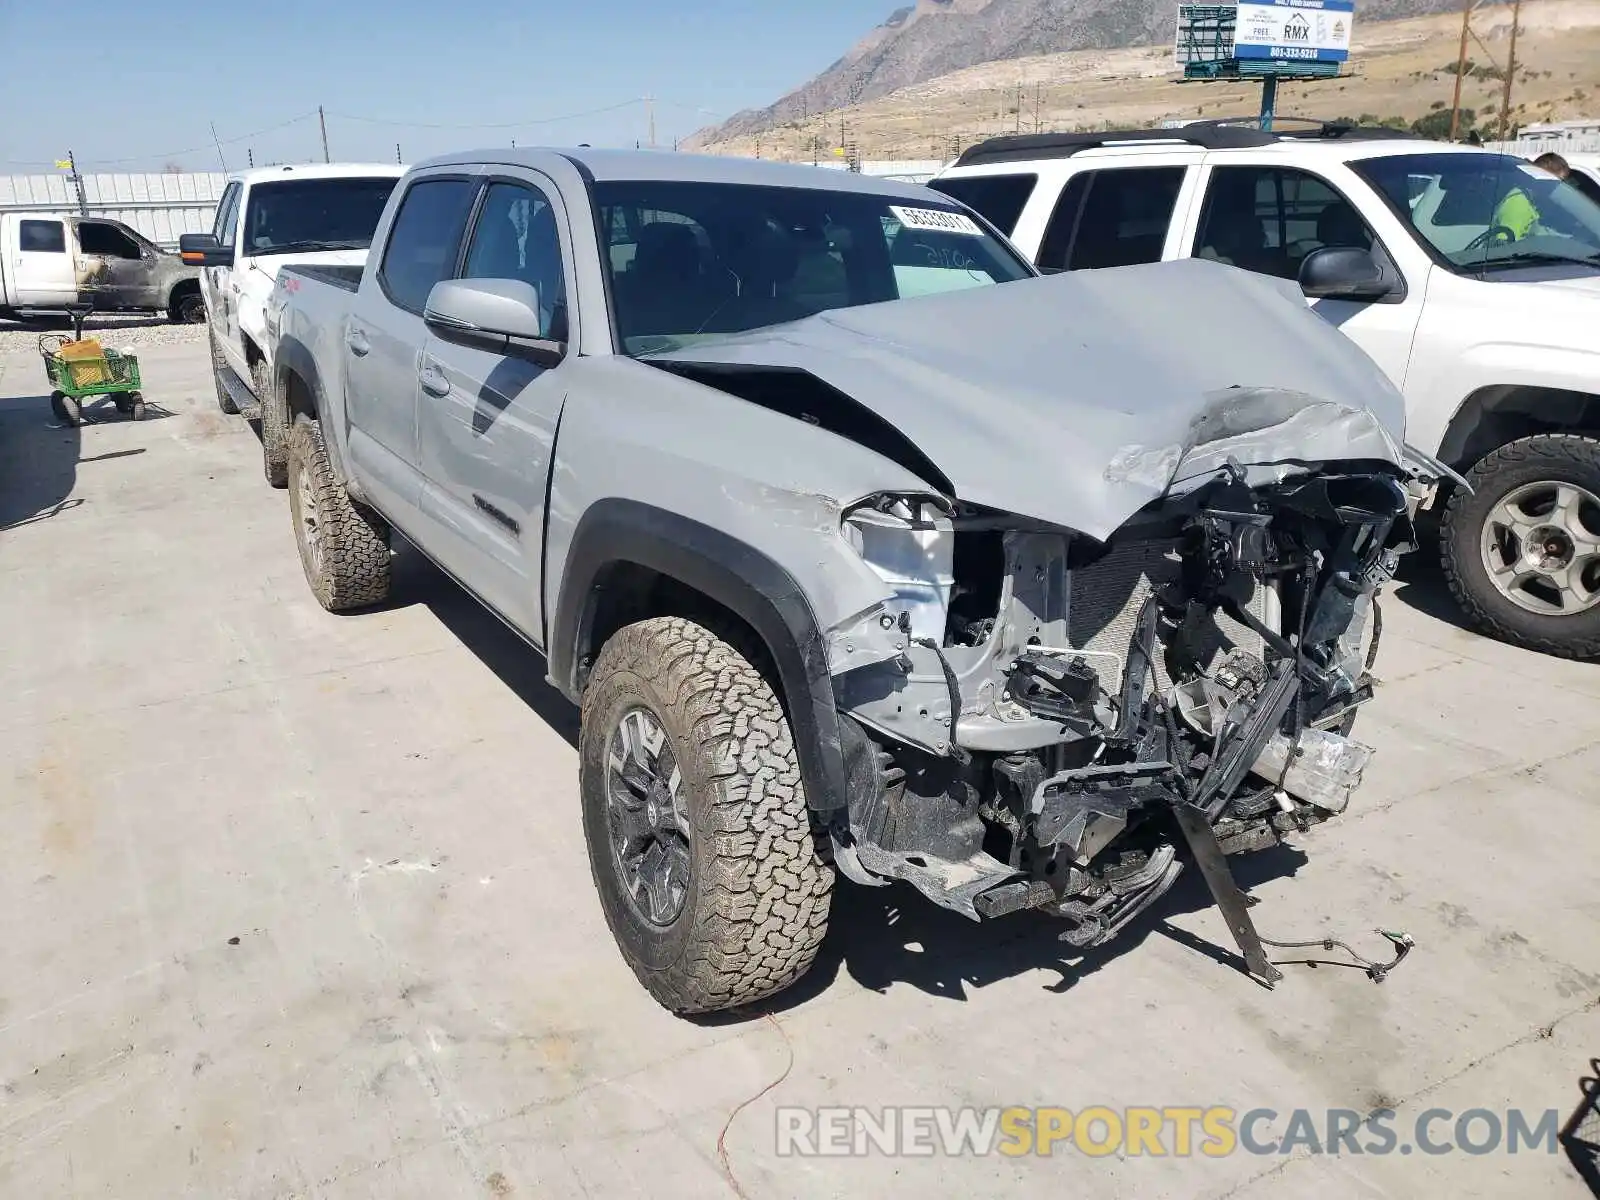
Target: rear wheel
[[344, 546], [1522, 551], [699, 836], [274, 427], [218, 366]]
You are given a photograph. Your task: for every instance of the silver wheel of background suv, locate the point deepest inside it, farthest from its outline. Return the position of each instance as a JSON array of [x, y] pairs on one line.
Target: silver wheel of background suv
[[1541, 547]]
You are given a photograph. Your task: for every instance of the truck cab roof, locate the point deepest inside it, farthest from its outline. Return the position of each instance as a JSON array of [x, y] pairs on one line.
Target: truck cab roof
[[319, 171], [653, 165]]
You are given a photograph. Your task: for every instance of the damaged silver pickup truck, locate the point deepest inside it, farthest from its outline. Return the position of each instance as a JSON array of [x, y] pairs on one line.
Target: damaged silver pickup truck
[[1026, 595]]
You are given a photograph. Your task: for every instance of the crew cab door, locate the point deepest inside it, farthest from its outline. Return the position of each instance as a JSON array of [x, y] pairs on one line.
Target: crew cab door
[[487, 414], [115, 267], [1269, 217], [384, 336], [41, 268]]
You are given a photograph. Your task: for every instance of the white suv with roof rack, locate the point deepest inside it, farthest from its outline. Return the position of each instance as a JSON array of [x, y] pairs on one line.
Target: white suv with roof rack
[[1472, 278]]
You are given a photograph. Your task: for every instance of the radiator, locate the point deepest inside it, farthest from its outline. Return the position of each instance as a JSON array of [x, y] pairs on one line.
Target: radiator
[[1103, 609]]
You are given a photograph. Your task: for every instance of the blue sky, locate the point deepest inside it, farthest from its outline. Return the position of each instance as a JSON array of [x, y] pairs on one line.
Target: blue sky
[[146, 92]]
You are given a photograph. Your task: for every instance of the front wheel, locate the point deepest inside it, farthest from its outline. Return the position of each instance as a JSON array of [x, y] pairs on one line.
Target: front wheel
[[699, 836], [344, 547], [1522, 552], [187, 309]]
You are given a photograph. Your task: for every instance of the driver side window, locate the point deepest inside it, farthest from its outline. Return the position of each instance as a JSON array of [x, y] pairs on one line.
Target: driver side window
[[516, 238], [1270, 219]]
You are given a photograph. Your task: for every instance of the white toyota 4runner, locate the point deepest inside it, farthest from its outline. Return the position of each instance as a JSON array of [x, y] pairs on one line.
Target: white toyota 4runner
[[1472, 278]]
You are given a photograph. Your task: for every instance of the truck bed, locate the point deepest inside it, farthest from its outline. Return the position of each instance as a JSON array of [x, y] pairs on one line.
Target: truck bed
[[345, 278]]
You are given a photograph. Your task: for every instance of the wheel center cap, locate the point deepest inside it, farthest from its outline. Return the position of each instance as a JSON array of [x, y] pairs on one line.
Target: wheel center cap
[[1549, 549]]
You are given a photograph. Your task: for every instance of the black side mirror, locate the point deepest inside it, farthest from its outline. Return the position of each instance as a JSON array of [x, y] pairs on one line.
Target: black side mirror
[[203, 250], [1343, 273]]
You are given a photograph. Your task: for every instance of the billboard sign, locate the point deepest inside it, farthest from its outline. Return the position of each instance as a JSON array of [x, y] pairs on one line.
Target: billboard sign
[[1304, 30]]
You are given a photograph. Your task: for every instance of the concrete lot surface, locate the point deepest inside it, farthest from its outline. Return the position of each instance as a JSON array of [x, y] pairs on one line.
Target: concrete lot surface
[[298, 905]]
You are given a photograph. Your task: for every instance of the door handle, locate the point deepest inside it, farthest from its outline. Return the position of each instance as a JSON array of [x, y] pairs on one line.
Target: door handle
[[433, 381], [357, 341]]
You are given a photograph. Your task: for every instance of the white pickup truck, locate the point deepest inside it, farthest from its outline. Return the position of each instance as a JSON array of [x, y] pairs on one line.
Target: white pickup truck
[[50, 262], [267, 219], [1471, 278]]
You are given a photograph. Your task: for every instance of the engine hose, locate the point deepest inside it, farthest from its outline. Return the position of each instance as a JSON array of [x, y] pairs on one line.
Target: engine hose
[[954, 684]]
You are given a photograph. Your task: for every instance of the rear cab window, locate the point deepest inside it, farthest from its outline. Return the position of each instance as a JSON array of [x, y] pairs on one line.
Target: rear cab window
[[1000, 199], [42, 237], [425, 239]]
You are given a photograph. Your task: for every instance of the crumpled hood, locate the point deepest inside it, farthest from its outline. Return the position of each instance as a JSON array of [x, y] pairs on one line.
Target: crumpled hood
[[1079, 398]]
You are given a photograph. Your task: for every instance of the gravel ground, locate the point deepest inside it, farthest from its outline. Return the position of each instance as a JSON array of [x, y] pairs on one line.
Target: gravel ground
[[116, 332]]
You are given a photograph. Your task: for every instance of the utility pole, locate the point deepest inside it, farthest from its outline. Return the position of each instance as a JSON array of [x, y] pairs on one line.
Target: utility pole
[[77, 182], [1461, 69], [1511, 69], [1508, 76], [398, 160], [1038, 100], [250, 156], [650, 108], [217, 142], [322, 120], [1017, 128]]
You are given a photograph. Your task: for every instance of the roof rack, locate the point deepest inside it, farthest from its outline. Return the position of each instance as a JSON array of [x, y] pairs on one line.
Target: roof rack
[[1015, 147], [1229, 133]]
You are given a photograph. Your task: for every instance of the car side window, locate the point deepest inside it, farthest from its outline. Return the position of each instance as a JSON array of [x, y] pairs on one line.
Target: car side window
[[42, 237], [1269, 219], [1589, 187], [1111, 218], [96, 237], [516, 238], [227, 214], [424, 240]]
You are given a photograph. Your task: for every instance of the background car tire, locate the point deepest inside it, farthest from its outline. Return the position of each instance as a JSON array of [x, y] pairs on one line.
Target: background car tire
[[1555, 458], [274, 427], [188, 308], [756, 904], [344, 547], [218, 366]]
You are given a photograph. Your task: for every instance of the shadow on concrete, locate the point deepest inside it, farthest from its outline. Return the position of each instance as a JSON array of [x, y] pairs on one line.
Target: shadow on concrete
[[886, 936], [518, 665], [1420, 584], [1580, 1138], [38, 462]]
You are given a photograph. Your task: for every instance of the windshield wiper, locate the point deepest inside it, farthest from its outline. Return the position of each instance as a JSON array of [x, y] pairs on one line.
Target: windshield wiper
[[1522, 258], [311, 246]]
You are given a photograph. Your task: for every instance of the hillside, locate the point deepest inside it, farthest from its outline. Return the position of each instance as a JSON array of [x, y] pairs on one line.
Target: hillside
[[1401, 68], [931, 38]]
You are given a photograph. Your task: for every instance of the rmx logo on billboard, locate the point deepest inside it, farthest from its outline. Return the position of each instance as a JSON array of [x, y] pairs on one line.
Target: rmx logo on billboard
[[1308, 30]]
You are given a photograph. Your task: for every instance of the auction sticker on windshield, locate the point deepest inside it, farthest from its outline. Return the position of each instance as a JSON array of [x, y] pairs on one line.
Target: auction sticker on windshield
[[933, 218]]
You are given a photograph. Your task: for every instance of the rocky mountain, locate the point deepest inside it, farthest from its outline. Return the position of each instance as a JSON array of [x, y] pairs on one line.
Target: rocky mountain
[[935, 37]]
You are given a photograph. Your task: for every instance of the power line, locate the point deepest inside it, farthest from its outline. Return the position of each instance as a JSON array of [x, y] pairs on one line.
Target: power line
[[203, 148], [593, 112]]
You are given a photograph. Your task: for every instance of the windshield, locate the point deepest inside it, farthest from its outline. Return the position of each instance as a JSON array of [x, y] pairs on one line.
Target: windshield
[[314, 214], [694, 260], [1482, 212]]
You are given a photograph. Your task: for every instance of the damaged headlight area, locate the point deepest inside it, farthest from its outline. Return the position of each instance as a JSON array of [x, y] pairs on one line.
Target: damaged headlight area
[[1036, 720]]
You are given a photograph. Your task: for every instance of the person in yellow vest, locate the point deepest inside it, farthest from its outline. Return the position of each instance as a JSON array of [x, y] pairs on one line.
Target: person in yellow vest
[[1516, 212]]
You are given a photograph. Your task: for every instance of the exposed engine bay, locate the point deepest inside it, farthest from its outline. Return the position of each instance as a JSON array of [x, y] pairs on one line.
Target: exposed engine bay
[[1042, 721]]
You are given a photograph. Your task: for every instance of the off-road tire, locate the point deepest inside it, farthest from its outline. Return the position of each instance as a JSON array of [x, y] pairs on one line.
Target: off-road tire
[[756, 906], [274, 427], [353, 568], [218, 366], [1558, 457]]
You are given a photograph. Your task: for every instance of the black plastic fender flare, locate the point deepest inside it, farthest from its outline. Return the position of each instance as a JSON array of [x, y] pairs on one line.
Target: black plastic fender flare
[[735, 575]]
